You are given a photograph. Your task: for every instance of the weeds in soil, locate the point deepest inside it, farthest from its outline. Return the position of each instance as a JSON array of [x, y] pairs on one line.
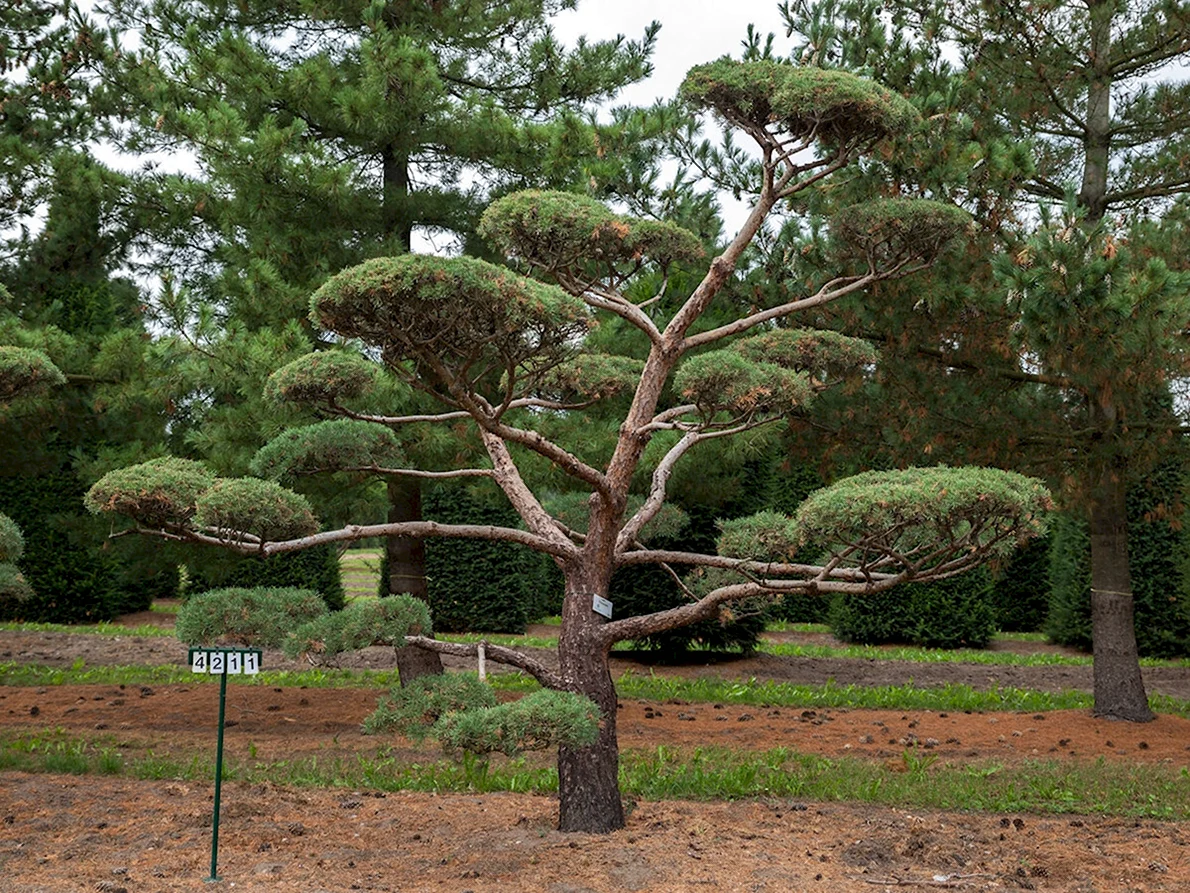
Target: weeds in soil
[[917, 780]]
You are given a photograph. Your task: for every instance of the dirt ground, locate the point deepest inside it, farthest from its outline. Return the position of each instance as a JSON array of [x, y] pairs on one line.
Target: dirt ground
[[110, 834]]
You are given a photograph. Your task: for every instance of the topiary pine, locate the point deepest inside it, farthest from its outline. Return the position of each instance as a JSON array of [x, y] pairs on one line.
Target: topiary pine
[[831, 106]]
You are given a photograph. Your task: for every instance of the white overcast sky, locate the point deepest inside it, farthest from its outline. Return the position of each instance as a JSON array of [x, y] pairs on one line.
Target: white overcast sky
[[692, 31]]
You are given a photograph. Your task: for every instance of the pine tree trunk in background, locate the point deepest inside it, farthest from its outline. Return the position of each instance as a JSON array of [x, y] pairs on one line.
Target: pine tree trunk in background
[[588, 777], [1119, 687], [406, 562], [406, 556]]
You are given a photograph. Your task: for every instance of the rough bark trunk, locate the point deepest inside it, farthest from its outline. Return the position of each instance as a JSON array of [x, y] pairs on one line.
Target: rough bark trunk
[[1119, 687], [588, 777], [406, 560], [1097, 138]]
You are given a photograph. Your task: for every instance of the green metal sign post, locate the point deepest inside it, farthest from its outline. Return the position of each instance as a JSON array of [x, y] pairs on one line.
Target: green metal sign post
[[224, 662]]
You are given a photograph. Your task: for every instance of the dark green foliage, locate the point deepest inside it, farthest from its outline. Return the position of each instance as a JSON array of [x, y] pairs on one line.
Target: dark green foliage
[[74, 580], [1159, 558], [819, 352], [478, 585], [1069, 618], [833, 105], [316, 568], [1021, 587], [954, 613], [236, 616], [363, 623], [412, 709], [537, 721]]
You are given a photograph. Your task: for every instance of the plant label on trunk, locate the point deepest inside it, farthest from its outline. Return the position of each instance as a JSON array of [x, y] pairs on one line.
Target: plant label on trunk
[[602, 606]]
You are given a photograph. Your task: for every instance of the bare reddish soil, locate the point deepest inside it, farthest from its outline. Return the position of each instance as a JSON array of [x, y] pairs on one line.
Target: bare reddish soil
[[67, 833]]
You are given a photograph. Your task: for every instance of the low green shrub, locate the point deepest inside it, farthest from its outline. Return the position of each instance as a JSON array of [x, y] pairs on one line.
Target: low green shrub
[[1021, 587], [260, 616], [954, 613]]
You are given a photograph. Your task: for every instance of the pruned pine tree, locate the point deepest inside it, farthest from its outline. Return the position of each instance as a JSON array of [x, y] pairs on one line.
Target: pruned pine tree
[[503, 352], [327, 133], [1073, 119]]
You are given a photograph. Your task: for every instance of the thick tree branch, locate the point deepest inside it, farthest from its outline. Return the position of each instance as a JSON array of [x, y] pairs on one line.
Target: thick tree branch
[[498, 653]]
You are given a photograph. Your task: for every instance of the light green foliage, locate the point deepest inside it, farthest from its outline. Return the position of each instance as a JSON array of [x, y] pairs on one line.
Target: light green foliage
[[906, 510], [834, 106], [765, 536], [322, 377], [363, 623], [26, 372], [413, 708], [328, 446], [822, 353], [588, 377], [262, 617], [264, 509], [724, 381], [448, 312], [538, 721], [893, 229], [157, 493], [12, 543], [563, 233]]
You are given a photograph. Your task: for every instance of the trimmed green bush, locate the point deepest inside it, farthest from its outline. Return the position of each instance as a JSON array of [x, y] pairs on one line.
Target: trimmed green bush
[[954, 613], [262, 617], [315, 568]]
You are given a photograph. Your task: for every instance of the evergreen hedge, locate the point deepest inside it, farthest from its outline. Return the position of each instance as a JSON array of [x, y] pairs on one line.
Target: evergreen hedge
[[478, 585], [954, 613], [1021, 587], [74, 578], [316, 568]]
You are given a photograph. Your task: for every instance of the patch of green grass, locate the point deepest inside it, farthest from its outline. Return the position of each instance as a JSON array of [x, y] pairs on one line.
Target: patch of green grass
[[1100, 787], [91, 629], [360, 572], [165, 607], [784, 626]]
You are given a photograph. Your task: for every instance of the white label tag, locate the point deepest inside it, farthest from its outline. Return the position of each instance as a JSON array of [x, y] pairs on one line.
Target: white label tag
[[217, 662], [251, 663], [234, 662], [199, 662], [601, 605]]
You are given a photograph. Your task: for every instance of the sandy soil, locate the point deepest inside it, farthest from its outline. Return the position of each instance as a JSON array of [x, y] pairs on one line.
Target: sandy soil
[[66, 833]]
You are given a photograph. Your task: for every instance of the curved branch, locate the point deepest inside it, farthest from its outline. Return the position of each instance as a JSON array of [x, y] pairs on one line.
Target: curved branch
[[558, 547], [498, 653]]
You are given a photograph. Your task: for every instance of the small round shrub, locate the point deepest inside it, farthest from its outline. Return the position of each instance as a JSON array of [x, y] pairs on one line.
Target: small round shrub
[[261, 617]]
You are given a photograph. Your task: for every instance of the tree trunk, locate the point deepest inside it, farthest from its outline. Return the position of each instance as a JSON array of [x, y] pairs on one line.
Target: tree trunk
[[1119, 687], [406, 555], [406, 561], [588, 777]]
